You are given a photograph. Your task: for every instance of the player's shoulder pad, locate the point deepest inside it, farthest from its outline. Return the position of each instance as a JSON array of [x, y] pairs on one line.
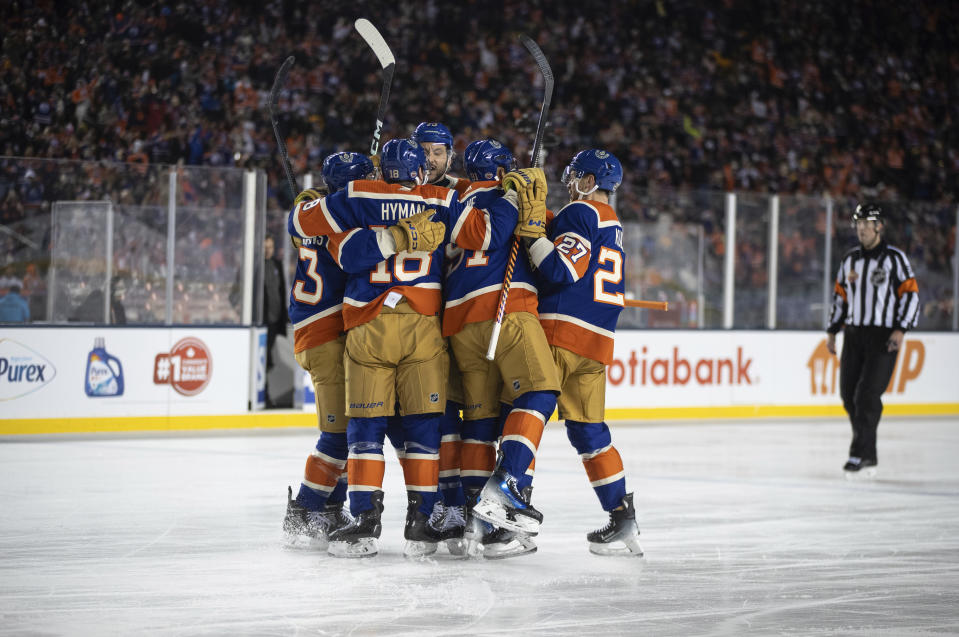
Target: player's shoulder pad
[[437, 195], [591, 212], [369, 186]]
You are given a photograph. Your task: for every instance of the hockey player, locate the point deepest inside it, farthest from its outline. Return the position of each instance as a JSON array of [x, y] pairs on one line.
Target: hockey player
[[522, 369], [503, 502], [582, 293], [437, 141], [394, 346], [316, 312]]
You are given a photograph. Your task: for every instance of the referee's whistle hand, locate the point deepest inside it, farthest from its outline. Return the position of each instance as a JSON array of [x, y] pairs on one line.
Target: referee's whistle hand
[[895, 340]]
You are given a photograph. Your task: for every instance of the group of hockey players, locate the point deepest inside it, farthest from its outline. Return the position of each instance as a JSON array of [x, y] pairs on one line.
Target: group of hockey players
[[399, 282]]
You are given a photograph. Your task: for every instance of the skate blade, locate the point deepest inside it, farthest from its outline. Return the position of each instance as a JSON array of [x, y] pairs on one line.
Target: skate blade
[[458, 548], [496, 516], [301, 542], [365, 547], [474, 548], [513, 548], [863, 474], [617, 549], [417, 549]]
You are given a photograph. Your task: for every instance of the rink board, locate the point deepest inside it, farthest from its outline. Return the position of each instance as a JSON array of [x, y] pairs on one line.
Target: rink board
[[80, 380]]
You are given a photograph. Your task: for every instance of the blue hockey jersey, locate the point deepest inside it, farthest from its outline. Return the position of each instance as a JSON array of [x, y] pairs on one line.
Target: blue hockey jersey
[[581, 268], [474, 278], [416, 276]]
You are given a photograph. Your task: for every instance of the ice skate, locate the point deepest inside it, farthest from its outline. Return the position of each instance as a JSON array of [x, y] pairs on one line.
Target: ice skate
[[501, 504], [358, 538], [449, 523], [500, 544], [421, 538], [314, 526], [860, 468], [620, 536]]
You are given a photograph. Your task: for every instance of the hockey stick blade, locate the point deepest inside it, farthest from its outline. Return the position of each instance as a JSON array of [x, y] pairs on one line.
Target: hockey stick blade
[[278, 83], [372, 36], [382, 51], [662, 306]]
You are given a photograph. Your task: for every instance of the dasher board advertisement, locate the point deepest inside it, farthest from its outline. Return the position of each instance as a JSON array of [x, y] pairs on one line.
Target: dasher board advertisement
[[107, 372], [682, 369]]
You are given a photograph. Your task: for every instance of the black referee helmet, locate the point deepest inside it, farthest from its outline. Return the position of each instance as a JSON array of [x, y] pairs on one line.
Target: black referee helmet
[[869, 212]]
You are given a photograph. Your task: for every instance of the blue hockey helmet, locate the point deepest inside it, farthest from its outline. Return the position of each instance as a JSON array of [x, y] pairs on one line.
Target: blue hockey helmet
[[401, 159], [340, 169], [484, 156], [433, 133], [601, 164]]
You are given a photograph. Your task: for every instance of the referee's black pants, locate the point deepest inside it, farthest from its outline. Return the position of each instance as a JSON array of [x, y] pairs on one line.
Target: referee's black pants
[[865, 368]]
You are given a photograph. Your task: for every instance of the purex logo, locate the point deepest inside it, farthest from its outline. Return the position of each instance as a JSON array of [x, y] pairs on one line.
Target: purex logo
[[824, 368], [680, 370], [22, 370]]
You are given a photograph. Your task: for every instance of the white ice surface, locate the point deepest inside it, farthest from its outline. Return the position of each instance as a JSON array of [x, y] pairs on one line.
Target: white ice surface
[[748, 529]]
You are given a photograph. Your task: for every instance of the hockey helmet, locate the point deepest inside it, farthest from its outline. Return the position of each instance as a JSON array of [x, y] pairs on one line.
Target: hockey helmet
[[433, 133], [484, 156], [601, 164], [340, 169], [401, 159], [869, 212]]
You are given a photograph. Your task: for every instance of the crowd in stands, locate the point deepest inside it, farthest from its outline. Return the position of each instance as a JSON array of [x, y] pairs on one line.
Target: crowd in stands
[[857, 99]]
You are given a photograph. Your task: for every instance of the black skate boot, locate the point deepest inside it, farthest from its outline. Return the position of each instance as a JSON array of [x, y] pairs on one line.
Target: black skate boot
[[499, 544], [859, 468], [501, 504], [358, 538], [302, 524], [449, 523], [620, 536], [421, 538], [335, 516]]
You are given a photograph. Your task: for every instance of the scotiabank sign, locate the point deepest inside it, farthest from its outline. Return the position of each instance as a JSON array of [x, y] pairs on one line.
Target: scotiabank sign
[[679, 369], [699, 368]]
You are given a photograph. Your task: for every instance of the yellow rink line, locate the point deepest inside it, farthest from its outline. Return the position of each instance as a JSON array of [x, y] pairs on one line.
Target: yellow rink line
[[290, 418]]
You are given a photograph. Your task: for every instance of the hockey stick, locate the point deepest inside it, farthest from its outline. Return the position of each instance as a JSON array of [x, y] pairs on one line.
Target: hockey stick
[[278, 83], [649, 305], [382, 50], [537, 160]]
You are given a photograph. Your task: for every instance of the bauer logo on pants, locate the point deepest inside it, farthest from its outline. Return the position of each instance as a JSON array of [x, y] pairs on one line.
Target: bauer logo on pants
[[188, 367]]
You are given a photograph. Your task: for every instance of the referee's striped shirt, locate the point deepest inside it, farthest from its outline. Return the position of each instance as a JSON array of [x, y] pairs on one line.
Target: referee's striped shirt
[[875, 288]]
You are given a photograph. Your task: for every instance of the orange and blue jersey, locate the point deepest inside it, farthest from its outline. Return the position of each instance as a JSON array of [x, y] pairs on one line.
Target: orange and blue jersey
[[474, 278], [316, 298], [348, 215], [581, 292]]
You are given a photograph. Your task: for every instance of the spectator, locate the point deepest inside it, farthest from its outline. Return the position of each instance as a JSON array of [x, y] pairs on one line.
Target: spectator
[[13, 307]]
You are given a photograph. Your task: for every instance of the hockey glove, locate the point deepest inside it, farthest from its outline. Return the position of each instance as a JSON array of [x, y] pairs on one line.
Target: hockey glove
[[308, 195], [530, 186], [418, 233]]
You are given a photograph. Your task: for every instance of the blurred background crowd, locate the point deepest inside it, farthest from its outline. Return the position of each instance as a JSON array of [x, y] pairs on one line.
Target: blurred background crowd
[[856, 99]]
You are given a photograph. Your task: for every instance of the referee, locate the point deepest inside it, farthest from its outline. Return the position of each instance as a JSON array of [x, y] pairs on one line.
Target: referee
[[876, 298]]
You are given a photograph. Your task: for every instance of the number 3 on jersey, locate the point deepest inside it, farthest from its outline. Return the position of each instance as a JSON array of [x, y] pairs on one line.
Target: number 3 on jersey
[[299, 293], [613, 275]]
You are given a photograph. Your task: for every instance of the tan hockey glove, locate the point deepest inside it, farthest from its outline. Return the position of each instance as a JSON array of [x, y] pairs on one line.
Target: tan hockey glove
[[308, 195], [530, 187], [418, 233]]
